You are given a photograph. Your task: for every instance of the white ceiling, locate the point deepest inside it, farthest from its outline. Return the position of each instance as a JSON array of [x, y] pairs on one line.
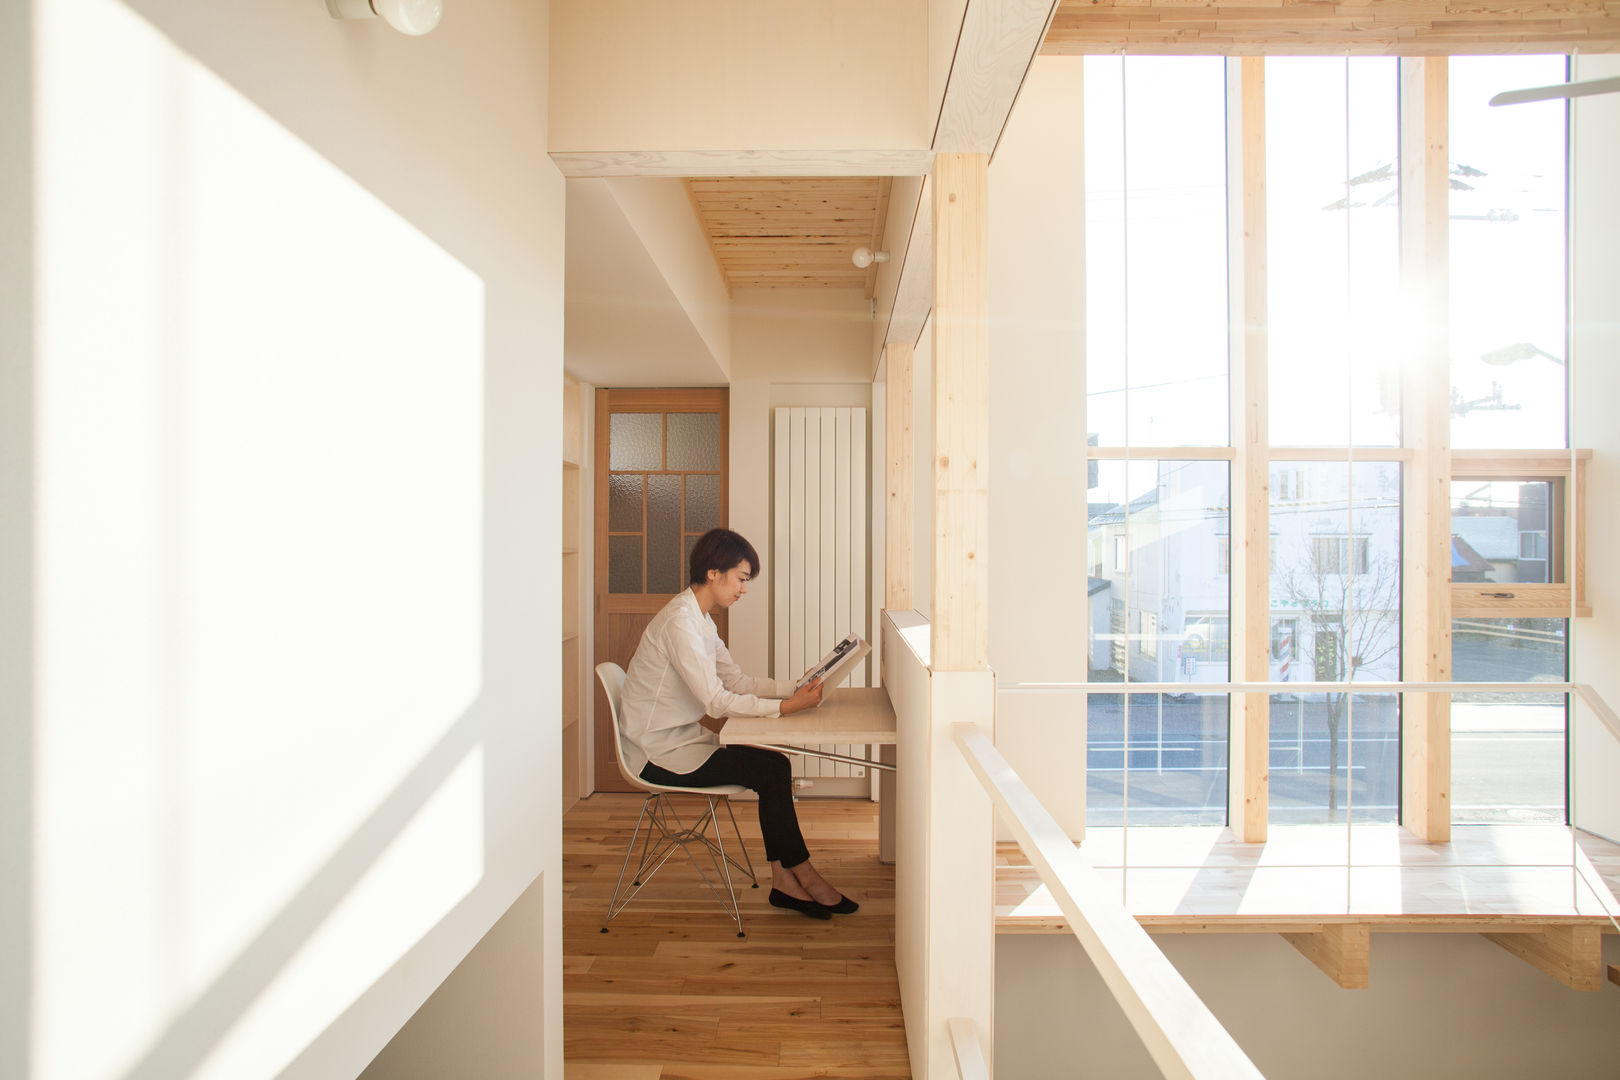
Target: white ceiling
[[622, 324]]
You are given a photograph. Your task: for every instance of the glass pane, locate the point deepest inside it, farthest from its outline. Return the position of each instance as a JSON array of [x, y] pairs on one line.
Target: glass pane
[[1508, 750], [624, 564], [635, 441], [691, 542], [664, 571], [1158, 610], [1333, 250], [624, 503], [694, 440], [702, 503], [1156, 304], [1508, 225], [1502, 531], [1335, 616]]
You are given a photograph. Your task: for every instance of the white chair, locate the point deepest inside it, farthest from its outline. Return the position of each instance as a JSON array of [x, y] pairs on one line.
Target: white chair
[[658, 811]]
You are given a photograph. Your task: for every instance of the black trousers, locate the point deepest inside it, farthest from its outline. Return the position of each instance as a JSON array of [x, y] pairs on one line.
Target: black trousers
[[765, 772]]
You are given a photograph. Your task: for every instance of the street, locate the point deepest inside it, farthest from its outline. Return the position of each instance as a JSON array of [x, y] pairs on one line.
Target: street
[[1507, 761]]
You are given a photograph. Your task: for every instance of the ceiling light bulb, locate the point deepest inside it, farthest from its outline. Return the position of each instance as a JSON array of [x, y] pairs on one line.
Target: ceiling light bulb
[[864, 257], [412, 17]]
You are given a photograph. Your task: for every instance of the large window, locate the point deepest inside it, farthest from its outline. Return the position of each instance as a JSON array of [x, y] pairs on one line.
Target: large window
[[1156, 336], [1336, 617], [1508, 256], [1340, 319], [1158, 614], [1333, 250]]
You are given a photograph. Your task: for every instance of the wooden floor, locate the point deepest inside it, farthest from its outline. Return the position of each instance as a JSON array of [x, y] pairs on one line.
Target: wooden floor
[[671, 993], [1200, 879]]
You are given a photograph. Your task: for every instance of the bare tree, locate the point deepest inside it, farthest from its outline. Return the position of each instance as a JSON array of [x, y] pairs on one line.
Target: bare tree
[[1355, 618]]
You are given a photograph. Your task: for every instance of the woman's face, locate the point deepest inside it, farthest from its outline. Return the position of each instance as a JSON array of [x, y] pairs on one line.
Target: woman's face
[[730, 587]]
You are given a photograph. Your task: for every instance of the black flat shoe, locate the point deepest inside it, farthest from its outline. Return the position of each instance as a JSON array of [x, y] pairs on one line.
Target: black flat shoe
[[845, 906], [804, 907]]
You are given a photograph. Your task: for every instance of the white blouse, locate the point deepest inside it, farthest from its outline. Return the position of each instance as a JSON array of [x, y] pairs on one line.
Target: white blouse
[[680, 673]]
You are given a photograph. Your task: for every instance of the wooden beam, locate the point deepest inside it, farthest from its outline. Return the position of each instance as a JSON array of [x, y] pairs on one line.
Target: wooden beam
[[1571, 954], [900, 519], [1342, 950], [902, 162], [1426, 423], [1248, 777], [998, 41], [961, 377], [1254, 27], [880, 224], [913, 297]]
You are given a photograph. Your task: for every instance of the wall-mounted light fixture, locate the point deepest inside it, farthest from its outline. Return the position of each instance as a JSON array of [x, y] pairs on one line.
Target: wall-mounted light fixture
[[864, 257], [407, 16]]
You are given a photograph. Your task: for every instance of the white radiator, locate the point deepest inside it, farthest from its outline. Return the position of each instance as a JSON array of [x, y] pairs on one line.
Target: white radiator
[[820, 550]]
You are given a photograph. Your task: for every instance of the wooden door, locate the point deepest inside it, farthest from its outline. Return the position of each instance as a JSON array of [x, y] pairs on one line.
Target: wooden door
[[660, 484]]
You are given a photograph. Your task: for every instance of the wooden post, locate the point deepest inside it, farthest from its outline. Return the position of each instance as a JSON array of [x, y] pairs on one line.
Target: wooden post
[[961, 623], [959, 867], [900, 521], [1426, 427], [1250, 621]]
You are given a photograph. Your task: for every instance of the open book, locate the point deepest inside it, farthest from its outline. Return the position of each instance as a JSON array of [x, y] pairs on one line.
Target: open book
[[832, 667]]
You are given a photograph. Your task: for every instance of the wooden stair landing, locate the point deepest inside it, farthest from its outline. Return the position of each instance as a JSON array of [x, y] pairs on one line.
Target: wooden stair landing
[[1512, 883], [671, 993]]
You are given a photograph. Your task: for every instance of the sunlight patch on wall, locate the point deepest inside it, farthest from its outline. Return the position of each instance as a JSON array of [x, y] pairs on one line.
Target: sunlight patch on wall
[[260, 396]]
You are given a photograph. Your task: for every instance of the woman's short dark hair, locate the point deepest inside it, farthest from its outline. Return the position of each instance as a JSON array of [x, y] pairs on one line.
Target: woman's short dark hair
[[722, 550]]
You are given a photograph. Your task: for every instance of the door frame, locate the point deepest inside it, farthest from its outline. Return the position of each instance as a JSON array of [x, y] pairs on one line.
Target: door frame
[[611, 400]]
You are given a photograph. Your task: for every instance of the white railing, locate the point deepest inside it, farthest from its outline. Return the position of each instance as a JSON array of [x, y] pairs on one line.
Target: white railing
[[1180, 1033]]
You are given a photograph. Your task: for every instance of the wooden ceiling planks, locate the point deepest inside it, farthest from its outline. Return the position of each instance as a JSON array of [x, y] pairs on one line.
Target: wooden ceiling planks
[[1313, 27], [799, 232]]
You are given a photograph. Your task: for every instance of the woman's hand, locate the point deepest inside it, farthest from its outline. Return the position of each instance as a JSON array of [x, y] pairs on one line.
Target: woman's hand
[[808, 697]]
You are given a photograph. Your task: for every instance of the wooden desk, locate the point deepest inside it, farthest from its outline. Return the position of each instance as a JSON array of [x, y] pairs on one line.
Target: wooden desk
[[850, 715]]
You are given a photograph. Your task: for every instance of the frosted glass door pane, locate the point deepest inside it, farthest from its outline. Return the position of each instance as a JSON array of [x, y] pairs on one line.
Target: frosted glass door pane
[[694, 441], [624, 503], [664, 534], [635, 441], [624, 564], [702, 503]]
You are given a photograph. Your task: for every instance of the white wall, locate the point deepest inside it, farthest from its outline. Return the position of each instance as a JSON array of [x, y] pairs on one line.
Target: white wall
[[662, 216], [1038, 435], [1442, 1005], [807, 347], [1595, 353], [719, 74], [290, 680], [480, 1021]]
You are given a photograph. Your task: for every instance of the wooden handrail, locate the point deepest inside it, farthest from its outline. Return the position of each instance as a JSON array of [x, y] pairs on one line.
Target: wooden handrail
[[1180, 1033], [965, 1045]]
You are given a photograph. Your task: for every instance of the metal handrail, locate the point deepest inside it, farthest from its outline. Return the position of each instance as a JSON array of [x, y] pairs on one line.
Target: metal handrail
[[1584, 691]]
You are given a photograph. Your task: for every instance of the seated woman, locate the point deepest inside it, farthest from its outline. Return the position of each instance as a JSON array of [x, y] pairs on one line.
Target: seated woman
[[680, 674]]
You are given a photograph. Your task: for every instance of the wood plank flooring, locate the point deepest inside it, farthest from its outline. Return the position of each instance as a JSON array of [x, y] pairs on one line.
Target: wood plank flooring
[[1199, 879], [671, 992]]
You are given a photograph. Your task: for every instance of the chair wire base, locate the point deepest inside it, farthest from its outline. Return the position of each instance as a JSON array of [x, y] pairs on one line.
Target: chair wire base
[[659, 813]]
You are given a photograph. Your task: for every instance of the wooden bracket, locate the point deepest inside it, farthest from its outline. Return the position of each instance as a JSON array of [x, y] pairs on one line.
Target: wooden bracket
[[1342, 950], [1571, 954]]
